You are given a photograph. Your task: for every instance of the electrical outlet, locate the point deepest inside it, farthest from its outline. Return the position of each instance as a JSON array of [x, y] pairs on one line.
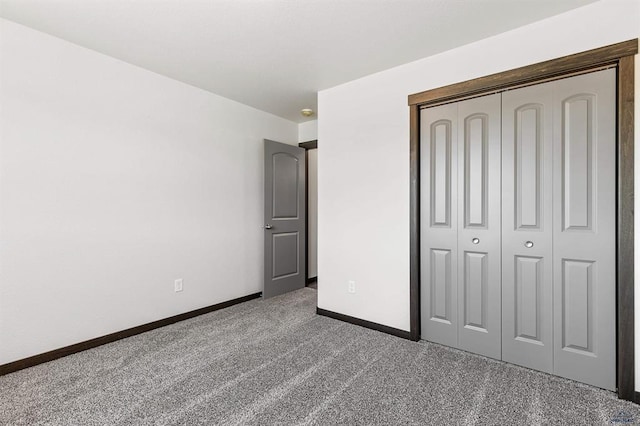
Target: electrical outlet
[[177, 285], [351, 286]]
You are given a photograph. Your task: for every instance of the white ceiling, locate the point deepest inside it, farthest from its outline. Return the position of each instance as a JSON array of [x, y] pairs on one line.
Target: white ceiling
[[275, 54]]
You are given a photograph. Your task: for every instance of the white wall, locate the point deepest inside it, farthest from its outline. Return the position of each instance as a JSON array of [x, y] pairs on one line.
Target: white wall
[[114, 181], [308, 131], [364, 161]]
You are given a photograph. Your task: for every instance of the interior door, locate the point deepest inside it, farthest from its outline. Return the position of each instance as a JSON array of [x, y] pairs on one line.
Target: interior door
[[479, 229], [527, 226], [584, 246], [284, 218], [439, 224]]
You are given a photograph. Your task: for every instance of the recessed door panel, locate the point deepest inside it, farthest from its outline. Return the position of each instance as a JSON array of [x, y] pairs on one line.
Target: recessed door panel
[[527, 232], [440, 166], [528, 165], [476, 150], [440, 285], [438, 238], [286, 245], [584, 228], [479, 259], [577, 305], [528, 301], [476, 291], [285, 186], [578, 131]]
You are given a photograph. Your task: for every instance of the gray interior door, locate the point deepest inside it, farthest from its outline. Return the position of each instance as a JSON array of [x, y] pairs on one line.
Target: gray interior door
[[584, 247], [479, 230], [439, 224], [527, 227], [284, 218]]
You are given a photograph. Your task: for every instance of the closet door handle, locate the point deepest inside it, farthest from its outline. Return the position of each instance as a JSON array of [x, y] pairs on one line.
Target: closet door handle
[[475, 240], [528, 244]]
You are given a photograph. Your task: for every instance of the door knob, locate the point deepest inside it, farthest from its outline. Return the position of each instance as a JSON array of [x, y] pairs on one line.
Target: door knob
[[268, 226], [528, 244], [475, 240]]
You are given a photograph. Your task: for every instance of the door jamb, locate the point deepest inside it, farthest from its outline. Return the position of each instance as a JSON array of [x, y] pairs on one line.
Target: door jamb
[[621, 56], [309, 145]]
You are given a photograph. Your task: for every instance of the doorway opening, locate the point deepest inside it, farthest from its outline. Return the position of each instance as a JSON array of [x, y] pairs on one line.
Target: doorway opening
[[311, 203]]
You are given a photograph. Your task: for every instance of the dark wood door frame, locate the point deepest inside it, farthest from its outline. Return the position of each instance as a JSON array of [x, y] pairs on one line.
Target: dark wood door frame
[[307, 146], [620, 56]]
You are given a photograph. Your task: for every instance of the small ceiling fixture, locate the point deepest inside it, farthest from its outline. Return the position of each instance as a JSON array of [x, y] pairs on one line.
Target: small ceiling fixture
[[307, 112]]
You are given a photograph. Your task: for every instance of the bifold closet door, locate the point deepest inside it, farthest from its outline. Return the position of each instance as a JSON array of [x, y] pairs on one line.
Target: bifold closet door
[[439, 224], [518, 203], [527, 227], [479, 257], [584, 247], [460, 225]]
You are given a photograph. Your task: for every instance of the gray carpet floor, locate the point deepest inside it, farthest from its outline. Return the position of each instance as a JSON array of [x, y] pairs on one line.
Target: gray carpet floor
[[275, 362]]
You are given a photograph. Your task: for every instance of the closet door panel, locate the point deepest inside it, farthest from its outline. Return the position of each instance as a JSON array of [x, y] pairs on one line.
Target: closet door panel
[[527, 227], [439, 224], [479, 327], [584, 228]]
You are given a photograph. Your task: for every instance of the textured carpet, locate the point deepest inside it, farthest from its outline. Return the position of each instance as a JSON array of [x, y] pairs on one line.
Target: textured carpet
[[275, 362]]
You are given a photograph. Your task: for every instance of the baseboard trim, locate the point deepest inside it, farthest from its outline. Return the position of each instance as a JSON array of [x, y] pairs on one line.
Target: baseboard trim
[[364, 323], [636, 399], [312, 280], [118, 335]]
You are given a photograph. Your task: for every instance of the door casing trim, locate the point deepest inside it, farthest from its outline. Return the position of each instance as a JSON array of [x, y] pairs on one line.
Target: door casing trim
[[619, 55]]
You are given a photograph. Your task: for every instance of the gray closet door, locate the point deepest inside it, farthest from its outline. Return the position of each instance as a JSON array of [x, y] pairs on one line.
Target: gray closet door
[[479, 257], [439, 224], [518, 238], [527, 227], [584, 228]]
